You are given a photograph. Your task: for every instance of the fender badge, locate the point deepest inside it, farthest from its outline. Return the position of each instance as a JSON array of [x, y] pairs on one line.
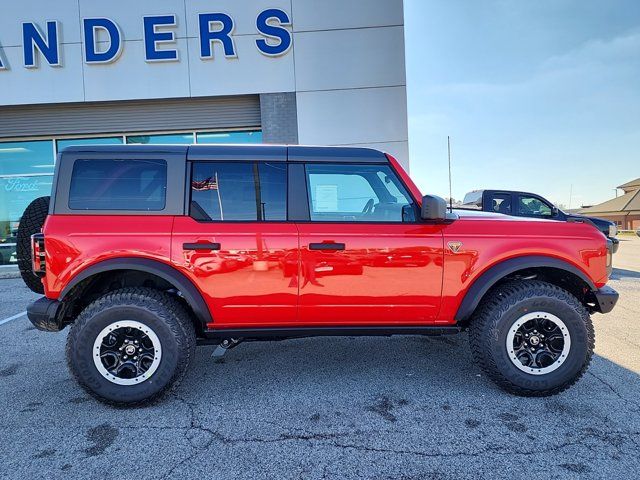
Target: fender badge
[[455, 246]]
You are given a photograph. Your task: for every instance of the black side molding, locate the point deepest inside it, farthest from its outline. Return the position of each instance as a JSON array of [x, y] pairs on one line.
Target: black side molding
[[489, 278], [189, 291]]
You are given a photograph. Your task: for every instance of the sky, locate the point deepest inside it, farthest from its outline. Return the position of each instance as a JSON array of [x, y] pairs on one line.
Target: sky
[[537, 95]]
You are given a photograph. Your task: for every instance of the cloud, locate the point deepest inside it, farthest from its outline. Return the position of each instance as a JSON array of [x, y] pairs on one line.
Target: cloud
[[593, 59], [599, 52]]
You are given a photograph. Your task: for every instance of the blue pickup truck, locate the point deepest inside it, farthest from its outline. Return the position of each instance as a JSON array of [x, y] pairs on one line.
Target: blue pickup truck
[[525, 204]]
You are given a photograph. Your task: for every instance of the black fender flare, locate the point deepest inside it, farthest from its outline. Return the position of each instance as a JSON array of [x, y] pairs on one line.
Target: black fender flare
[[493, 275], [191, 294]]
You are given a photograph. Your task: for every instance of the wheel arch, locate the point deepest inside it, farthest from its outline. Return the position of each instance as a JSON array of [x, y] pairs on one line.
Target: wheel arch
[[168, 274], [556, 271]]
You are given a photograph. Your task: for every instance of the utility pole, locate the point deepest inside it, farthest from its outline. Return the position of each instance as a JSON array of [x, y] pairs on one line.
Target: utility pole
[[570, 196]]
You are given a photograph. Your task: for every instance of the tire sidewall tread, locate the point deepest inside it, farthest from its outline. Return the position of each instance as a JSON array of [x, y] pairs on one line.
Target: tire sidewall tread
[[163, 313], [491, 322]]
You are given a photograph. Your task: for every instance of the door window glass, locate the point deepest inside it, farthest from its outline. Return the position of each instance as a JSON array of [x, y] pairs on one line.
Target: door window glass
[[239, 191], [273, 191], [357, 193], [501, 203], [533, 207]]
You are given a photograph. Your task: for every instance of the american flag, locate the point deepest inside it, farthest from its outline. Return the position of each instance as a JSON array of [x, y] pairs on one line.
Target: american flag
[[204, 185]]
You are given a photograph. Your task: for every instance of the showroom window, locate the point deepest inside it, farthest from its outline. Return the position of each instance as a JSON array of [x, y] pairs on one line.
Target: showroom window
[[80, 142], [229, 137], [171, 139], [26, 173]]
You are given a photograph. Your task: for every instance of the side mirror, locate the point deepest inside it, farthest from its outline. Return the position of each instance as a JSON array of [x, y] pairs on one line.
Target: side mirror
[[554, 211], [433, 208]]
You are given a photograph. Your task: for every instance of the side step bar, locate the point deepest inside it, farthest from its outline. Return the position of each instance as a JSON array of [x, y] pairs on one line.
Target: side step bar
[[214, 336]]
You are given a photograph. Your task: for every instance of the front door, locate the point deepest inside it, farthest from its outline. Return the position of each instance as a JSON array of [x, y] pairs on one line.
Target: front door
[[532, 206], [237, 246], [365, 258]]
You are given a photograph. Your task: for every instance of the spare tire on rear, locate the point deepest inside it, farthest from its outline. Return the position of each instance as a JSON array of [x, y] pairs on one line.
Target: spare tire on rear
[[31, 222]]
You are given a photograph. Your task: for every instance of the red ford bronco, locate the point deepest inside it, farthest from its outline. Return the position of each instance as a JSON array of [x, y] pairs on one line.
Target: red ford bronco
[[146, 251]]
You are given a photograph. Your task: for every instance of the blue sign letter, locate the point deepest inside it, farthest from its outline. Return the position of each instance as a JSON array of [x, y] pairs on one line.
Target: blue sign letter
[[152, 38], [222, 35], [91, 26], [273, 32], [33, 39], [2, 66]]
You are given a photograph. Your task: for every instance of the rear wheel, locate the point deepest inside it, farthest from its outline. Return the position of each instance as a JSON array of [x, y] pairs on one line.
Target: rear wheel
[[131, 346], [31, 222], [532, 338]]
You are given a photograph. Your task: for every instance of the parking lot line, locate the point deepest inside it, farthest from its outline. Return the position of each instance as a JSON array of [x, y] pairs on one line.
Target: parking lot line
[[7, 320]]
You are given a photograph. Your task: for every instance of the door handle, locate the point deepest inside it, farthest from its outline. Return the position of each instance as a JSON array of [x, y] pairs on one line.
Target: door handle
[[327, 246], [201, 246]]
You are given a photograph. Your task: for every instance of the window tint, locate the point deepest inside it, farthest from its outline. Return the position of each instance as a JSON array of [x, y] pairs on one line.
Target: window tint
[[273, 191], [357, 193], [118, 185], [501, 203], [239, 191], [533, 207]]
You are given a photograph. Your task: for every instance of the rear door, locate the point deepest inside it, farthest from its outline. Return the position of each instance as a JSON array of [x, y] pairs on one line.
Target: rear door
[[365, 258], [498, 202], [236, 243]]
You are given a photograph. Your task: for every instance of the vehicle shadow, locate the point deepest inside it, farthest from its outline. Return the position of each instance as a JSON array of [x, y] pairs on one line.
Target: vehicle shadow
[[621, 273], [417, 369]]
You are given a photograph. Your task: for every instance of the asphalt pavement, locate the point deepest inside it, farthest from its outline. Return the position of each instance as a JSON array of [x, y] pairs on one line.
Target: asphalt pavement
[[392, 408]]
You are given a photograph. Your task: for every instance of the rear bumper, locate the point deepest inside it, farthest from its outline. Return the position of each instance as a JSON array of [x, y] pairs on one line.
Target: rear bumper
[[43, 313], [606, 298]]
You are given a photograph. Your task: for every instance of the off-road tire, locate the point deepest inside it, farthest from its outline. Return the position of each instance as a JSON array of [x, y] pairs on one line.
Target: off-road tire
[[161, 312], [31, 222], [494, 318]]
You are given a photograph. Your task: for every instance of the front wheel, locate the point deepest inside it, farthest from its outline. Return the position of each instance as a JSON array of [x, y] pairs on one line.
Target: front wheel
[[532, 338], [131, 346]]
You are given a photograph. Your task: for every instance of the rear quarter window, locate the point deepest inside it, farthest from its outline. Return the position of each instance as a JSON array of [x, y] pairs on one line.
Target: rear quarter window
[[118, 185]]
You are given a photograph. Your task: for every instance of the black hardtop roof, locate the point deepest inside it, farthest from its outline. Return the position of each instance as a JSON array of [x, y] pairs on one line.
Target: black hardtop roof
[[244, 152]]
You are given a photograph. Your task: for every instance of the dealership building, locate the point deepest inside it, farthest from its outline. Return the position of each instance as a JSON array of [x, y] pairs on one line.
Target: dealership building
[[81, 72]]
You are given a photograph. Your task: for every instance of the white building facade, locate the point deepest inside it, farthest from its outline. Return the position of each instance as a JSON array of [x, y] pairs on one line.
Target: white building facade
[[193, 71]]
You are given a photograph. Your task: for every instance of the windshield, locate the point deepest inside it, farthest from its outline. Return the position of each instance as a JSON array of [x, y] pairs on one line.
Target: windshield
[[473, 199]]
